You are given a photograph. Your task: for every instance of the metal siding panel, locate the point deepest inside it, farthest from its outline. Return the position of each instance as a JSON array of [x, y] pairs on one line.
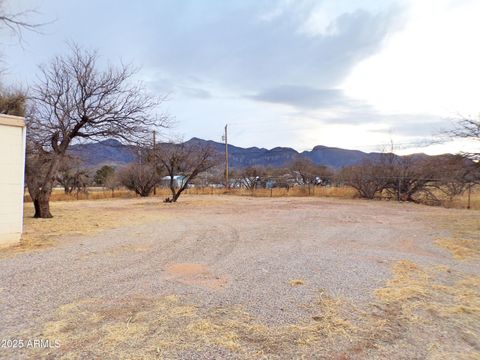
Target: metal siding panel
[[12, 160]]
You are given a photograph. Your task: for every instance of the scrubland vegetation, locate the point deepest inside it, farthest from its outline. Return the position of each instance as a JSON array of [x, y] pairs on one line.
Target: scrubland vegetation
[[341, 192]]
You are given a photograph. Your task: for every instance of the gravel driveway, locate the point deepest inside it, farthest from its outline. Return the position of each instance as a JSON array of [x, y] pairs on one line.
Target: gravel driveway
[[226, 277]]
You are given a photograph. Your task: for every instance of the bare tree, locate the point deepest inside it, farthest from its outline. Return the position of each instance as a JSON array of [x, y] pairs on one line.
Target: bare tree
[[111, 182], [187, 161], [412, 178], [454, 174], [408, 176], [76, 101], [251, 177], [307, 173], [141, 178], [367, 178], [468, 128], [72, 176], [15, 22]]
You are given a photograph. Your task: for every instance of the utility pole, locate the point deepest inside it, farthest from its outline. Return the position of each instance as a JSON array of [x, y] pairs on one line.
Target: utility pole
[[469, 195], [225, 137], [154, 158]]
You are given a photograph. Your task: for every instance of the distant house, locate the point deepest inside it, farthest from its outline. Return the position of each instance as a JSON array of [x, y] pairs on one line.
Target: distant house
[[179, 181], [12, 169]]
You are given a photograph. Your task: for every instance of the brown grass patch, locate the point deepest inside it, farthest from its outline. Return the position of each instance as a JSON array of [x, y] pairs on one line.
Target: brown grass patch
[[91, 194], [408, 283], [100, 194], [343, 192], [420, 305], [71, 219], [296, 282], [461, 249], [167, 327], [460, 202], [322, 191], [465, 241], [412, 313]]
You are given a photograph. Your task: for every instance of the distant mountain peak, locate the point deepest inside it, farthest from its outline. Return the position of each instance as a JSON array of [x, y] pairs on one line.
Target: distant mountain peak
[[113, 152], [111, 142]]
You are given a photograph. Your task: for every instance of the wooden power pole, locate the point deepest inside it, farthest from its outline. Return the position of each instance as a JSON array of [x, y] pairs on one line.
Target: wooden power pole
[[154, 158], [225, 137]]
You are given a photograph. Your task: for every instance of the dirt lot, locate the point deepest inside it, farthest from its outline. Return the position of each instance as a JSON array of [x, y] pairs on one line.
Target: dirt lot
[[240, 277]]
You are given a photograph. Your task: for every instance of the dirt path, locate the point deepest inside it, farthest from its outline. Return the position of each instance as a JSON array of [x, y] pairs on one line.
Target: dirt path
[[233, 277]]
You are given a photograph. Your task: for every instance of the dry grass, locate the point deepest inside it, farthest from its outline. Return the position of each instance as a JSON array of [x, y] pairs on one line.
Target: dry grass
[[338, 192], [296, 282], [91, 194], [408, 283], [167, 327], [413, 312], [90, 217], [461, 249], [460, 202], [70, 219], [420, 305], [98, 193], [464, 244], [344, 192], [425, 303]]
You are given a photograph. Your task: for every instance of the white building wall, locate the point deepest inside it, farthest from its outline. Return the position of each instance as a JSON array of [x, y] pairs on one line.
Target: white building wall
[[12, 165]]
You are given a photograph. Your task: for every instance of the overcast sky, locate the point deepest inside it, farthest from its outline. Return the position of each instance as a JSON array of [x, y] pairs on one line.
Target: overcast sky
[[354, 74]]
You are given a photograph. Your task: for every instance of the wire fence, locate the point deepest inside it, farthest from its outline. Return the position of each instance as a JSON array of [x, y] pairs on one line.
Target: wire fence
[[469, 198], [448, 192]]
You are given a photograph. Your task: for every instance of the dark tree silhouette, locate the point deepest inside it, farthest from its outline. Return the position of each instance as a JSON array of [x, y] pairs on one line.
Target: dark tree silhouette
[[75, 101]]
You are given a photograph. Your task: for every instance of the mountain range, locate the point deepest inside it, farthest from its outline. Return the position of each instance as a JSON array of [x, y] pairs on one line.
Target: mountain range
[[112, 152]]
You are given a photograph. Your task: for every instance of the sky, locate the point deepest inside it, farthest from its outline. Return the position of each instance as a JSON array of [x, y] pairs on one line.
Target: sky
[[355, 74]]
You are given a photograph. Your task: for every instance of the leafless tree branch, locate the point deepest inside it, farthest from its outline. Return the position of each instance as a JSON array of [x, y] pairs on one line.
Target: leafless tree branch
[[76, 100]]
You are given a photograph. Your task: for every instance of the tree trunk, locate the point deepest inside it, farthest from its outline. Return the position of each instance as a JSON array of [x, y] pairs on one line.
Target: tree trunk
[[177, 195], [180, 190], [36, 204], [172, 187], [42, 206], [42, 195]]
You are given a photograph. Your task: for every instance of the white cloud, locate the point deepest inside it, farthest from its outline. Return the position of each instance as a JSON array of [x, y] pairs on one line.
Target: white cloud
[[432, 66], [349, 73]]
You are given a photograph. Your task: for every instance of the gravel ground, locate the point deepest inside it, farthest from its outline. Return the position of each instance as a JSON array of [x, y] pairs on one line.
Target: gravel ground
[[215, 252]]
